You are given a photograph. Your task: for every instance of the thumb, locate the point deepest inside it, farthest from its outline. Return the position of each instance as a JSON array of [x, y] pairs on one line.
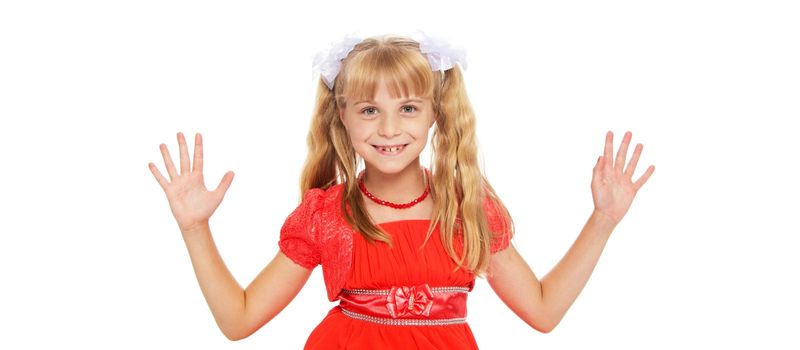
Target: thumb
[[225, 183], [597, 167]]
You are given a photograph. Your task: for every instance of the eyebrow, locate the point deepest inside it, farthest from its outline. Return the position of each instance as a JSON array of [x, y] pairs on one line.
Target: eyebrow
[[403, 101]]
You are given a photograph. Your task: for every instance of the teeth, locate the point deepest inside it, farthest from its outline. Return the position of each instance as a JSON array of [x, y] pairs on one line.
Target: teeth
[[390, 149]]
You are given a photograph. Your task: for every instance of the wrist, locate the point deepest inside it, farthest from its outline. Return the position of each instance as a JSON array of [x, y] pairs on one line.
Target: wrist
[[195, 230], [603, 220]]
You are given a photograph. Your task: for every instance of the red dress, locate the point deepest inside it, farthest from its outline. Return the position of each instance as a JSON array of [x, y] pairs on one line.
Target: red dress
[[376, 266]]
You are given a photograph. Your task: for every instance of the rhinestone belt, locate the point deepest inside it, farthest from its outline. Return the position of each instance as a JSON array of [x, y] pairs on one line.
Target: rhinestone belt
[[419, 305]]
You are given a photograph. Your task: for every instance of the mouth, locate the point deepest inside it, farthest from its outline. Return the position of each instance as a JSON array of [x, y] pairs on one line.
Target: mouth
[[390, 150]]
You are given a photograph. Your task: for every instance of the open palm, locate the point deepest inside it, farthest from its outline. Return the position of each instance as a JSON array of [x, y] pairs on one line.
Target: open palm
[[612, 188], [191, 203]]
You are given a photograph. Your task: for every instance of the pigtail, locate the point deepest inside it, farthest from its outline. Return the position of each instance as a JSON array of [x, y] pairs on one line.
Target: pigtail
[[461, 187], [319, 170]]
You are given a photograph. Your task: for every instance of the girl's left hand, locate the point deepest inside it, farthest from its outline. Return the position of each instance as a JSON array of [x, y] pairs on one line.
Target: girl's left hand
[[612, 189]]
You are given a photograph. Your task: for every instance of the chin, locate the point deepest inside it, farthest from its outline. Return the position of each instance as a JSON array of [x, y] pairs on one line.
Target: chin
[[388, 165]]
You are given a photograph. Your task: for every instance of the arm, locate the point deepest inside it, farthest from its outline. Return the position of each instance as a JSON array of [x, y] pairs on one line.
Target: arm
[[239, 312], [543, 304]]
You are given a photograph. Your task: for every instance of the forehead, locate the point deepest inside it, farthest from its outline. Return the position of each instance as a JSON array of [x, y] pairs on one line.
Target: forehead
[[384, 94], [383, 89]]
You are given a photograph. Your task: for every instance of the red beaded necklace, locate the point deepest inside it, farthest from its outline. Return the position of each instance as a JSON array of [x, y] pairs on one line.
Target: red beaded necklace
[[395, 205]]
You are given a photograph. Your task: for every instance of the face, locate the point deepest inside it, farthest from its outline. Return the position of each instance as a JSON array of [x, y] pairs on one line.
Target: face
[[375, 126]]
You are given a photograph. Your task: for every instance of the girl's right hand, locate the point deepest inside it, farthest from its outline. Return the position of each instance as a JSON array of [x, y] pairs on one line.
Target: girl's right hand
[[191, 203]]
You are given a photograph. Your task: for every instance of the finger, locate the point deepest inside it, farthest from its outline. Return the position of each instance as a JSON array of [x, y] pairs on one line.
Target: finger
[[168, 162], [622, 152], [184, 153], [643, 179], [609, 148], [224, 184], [597, 169], [598, 164], [198, 153], [634, 160], [160, 178]]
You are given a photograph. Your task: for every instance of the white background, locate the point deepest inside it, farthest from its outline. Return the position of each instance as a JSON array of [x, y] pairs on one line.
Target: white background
[[706, 257]]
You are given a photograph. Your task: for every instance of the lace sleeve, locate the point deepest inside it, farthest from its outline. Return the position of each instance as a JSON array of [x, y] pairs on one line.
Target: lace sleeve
[[500, 227], [299, 233]]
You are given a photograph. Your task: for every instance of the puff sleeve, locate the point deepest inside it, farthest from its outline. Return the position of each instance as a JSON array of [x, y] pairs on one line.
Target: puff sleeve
[[498, 225], [299, 236]]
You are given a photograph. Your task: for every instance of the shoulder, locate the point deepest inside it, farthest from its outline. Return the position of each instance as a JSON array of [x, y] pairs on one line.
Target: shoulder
[[313, 202], [492, 206], [495, 214], [332, 192], [499, 221], [318, 202], [329, 197], [318, 197]]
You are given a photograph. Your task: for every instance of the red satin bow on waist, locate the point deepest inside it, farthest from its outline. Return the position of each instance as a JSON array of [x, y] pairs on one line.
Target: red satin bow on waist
[[417, 300]]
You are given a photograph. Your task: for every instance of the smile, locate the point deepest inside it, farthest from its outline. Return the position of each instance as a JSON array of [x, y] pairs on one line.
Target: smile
[[390, 151]]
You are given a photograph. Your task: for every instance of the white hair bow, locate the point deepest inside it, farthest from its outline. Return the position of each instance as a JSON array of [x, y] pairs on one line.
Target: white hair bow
[[327, 63], [441, 56]]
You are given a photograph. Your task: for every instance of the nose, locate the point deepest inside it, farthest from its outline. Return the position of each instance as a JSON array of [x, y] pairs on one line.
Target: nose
[[389, 125]]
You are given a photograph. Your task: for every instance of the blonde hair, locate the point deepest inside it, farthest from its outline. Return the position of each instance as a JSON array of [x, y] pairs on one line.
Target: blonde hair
[[457, 194]]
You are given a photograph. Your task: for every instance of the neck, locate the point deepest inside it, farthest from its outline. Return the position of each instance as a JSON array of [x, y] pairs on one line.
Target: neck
[[400, 187]]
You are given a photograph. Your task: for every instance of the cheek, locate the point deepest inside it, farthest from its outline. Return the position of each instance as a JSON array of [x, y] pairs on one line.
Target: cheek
[[358, 135], [421, 132]]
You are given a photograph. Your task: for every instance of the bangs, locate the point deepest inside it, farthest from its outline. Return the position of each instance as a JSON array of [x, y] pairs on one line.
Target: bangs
[[405, 72]]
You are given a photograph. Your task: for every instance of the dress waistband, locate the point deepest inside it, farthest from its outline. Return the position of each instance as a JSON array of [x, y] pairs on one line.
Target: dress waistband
[[419, 305]]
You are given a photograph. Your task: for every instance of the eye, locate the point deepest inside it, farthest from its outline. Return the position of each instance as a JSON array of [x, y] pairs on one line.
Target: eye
[[414, 108], [368, 109]]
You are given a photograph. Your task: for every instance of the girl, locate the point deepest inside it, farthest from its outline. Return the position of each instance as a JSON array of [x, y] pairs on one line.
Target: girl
[[400, 245]]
